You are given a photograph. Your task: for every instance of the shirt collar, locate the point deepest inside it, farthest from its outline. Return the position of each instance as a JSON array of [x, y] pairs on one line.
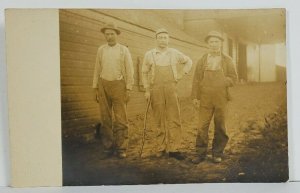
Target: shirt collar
[[115, 46], [158, 51], [214, 54]]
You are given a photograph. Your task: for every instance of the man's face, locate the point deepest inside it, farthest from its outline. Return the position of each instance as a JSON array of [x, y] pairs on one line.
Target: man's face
[[110, 36], [162, 40], [214, 44]]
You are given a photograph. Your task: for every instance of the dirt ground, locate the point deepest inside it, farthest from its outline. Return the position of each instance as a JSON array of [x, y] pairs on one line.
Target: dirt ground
[[256, 152]]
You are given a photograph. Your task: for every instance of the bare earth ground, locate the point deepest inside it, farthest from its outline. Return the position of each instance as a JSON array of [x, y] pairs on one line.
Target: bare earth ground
[[256, 152]]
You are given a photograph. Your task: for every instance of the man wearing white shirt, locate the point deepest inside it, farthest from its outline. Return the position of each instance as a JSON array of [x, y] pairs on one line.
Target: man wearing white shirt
[[160, 77], [113, 79]]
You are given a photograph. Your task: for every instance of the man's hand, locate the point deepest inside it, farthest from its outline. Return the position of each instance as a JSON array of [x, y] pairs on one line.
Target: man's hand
[[196, 103], [147, 95], [96, 94], [179, 76], [127, 97], [228, 82]]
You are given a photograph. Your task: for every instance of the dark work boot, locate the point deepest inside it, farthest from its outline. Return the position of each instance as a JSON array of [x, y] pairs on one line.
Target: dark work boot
[[197, 159], [177, 155], [107, 154]]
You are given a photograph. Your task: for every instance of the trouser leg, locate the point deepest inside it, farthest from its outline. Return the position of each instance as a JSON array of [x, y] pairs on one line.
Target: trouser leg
[[220, 137], [158, 108], [205, 116], [173, 122], [105, 106], [118, 92]]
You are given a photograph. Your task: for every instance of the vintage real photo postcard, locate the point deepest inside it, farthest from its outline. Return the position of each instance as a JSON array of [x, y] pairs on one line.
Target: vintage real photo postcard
[[172, 96]]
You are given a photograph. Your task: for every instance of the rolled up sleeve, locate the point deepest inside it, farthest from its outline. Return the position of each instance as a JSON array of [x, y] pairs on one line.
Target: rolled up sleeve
[[185, 60]]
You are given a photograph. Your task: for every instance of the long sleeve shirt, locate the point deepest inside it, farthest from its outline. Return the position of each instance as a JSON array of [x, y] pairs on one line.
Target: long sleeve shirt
[[169, 57], [114, 63]]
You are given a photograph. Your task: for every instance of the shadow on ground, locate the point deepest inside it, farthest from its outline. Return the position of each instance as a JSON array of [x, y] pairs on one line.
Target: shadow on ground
[[257, 150]]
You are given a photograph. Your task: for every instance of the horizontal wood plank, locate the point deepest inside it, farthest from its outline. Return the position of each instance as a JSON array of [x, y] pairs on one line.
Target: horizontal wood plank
[[80, 37]]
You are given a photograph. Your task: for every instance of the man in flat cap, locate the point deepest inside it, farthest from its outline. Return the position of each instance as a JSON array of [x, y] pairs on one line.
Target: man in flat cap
[[214, 74], [113, 79], [160, 77]]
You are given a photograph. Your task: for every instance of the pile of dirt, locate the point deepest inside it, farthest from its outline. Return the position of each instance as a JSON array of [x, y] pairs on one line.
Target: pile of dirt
[[264, 155]]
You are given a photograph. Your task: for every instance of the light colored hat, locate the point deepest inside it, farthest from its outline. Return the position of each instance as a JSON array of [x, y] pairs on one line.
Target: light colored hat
[[161, 30], [110, 26], [215, 34]]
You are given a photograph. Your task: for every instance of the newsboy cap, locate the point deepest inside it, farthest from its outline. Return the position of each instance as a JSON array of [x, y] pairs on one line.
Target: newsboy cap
[[110, 26], [215, 34], [161, 30]]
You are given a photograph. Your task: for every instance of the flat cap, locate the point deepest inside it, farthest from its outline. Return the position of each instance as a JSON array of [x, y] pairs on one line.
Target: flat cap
[[161, 30], [110, 26], [215, 34]]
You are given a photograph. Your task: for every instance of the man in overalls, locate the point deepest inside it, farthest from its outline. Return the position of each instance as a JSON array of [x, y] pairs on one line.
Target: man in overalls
[[113, 79], [214, 73], [160, 77]]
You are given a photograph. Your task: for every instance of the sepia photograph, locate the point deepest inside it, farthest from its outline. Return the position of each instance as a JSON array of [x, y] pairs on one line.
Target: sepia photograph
[[171, 96]]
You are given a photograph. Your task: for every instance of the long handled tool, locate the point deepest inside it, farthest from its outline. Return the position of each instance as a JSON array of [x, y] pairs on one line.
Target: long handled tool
[[145, 125]]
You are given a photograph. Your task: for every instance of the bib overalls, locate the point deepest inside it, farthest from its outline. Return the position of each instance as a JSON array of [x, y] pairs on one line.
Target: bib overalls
[[213, 102], [166, 110]]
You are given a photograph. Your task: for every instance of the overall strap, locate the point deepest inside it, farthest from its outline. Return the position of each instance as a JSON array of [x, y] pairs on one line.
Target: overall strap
[[205, 64], [223, 65], [121, 51], [171, 66], [153, 58]]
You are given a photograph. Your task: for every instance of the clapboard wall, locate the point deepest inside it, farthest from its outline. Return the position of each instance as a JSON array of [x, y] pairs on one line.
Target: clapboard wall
[[80, 38]]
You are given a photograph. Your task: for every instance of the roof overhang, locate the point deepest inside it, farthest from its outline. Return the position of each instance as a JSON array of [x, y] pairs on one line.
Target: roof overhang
[[257, 25]]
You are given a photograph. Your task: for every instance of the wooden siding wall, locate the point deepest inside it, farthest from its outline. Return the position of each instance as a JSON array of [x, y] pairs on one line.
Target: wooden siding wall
[[80, 38]]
